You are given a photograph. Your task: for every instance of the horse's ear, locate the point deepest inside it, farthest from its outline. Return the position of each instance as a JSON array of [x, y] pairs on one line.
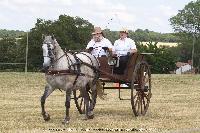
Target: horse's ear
[[55, 42], [43, 36], [52, 37]]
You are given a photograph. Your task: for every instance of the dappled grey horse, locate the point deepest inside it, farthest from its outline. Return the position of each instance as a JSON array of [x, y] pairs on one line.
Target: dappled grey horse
[[66, 71]]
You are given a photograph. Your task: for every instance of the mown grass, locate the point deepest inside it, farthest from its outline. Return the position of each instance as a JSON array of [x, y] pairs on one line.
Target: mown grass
[[174, 107]]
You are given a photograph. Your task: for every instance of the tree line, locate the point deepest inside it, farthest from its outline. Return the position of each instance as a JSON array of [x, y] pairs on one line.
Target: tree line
[[146, 35], [137, 35], [11, 33], [74, 33]]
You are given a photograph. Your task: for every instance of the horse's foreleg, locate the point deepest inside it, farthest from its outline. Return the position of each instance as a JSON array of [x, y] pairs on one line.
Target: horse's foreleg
[[67, 105], [48, 90]]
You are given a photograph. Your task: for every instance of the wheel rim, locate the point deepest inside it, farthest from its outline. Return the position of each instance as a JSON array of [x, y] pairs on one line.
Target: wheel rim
[[80, 103], [141, 89]]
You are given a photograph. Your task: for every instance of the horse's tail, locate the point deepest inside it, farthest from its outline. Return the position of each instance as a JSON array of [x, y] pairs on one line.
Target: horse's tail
[[99, 88]]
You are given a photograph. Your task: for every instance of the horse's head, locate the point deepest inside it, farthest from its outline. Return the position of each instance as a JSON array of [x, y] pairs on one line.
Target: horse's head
[[48, 47]]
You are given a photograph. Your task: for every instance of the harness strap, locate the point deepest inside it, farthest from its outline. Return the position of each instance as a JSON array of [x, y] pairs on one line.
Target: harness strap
[[60, 72], [78, 64], [66, 72], [96, 70], [74, 68]]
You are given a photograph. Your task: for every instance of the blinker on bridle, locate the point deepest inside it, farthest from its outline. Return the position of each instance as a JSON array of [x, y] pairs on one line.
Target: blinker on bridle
[[50, 54]]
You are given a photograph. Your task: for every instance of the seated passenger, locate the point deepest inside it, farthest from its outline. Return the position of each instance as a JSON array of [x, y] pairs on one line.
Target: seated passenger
[[123, 48], [99, 44]]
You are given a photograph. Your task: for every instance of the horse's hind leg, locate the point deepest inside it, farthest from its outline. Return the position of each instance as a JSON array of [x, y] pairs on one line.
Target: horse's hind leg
[[88, 102], [92, 101], [67, 105], [93, 97], [48, 90]]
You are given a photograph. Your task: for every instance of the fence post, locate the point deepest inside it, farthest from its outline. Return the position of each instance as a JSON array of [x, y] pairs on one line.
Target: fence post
[[26, 64]]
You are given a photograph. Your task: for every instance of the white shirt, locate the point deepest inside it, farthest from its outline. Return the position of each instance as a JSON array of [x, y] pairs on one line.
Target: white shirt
[[121, 47], [97, 47]]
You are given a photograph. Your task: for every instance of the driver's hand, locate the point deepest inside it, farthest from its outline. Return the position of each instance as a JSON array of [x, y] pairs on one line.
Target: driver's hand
[[114, 55]]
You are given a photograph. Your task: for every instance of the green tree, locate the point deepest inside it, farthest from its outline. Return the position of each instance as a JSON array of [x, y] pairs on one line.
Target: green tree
[[187, 25], [162, 61], [11, 33], [111, 35], [7, 46], [10, 53], [70, 32]]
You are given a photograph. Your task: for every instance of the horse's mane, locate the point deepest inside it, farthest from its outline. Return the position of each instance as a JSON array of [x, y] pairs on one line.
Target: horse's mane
[[61, 57]]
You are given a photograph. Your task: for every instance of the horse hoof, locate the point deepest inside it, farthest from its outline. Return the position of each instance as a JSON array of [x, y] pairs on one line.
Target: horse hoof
[[90, 116], [46, 117], [85, 118], [65, 122]]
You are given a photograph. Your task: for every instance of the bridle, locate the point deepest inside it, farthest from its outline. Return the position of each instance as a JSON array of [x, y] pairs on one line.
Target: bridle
[[51, 54]]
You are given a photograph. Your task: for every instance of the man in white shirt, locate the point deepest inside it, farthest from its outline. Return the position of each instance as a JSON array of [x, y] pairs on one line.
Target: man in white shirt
[[99, 44], [123, 48]]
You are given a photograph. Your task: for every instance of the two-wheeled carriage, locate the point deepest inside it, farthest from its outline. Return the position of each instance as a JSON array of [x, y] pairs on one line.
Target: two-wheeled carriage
[[80, 72], [137, 77]]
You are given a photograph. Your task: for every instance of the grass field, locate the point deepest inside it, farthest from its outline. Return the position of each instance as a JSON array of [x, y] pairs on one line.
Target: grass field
[[174, 107], [168, 44]]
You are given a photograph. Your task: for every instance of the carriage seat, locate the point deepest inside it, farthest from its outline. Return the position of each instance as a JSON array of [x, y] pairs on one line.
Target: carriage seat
[[122, 64], [113, 61]]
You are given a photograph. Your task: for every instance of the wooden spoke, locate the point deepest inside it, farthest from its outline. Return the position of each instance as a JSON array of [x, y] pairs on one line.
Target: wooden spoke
[[141, 89], [79, 100]]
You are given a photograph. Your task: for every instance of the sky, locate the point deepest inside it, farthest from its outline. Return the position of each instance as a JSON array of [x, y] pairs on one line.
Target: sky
[[112, 14]]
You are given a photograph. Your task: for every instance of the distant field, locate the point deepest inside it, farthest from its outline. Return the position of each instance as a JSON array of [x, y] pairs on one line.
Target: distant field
[[15, 38], [174, 107], [169, 44]]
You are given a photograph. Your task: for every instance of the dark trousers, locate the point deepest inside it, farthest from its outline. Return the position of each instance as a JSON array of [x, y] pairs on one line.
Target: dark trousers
[[123, 60]]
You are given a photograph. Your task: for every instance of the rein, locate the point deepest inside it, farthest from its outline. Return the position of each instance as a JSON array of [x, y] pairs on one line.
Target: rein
[[66, 72]]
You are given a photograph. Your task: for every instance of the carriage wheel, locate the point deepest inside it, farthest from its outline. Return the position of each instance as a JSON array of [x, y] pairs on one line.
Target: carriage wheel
[[141, 89], [79, 100]]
